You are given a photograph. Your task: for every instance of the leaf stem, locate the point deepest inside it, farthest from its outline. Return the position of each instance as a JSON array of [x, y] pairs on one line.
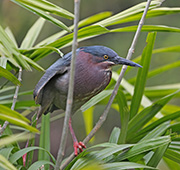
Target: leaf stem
[[70, 90], [108, 106]]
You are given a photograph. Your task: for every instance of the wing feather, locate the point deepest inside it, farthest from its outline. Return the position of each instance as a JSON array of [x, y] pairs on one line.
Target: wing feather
[[59, 67]]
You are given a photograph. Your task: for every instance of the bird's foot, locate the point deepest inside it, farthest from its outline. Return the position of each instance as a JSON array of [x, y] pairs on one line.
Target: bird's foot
[[79, 146]]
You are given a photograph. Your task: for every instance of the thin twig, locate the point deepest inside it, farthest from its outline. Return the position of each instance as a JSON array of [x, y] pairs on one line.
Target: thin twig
[[108, 106], [14, 101], [70, 90]]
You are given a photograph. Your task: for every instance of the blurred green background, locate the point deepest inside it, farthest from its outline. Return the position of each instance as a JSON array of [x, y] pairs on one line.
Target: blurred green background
[[20, 20]]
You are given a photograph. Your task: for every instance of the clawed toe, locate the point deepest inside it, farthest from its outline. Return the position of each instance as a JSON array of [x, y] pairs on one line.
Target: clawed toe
[[79, 146]]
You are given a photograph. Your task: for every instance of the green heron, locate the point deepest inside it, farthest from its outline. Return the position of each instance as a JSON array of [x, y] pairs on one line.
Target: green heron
[[92, 75]]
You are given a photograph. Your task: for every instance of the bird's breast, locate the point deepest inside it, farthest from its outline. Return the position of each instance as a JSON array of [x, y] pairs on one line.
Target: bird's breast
[[90, 81]]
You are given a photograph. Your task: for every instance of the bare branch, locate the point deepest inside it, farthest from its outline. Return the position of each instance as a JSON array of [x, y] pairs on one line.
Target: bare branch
[[70, 90], [108, 106], [14, 101]]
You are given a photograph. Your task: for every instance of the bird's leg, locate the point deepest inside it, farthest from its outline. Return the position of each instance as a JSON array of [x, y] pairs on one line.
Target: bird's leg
[[77, 145]]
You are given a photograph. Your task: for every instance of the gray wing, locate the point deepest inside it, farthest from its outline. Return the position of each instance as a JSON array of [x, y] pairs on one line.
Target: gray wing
[[59, 67]]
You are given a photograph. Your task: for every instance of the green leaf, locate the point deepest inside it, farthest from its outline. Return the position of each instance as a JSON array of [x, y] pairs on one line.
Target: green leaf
[[8, 112], [175, 145], [18, 122], [43, 14], [9, 76], [153, 125], [160, 70], [33, 64], [167, 49], [159, 50], [142, 75], [47, 6], [3, 61], [130, 89], [171, 164], [95, 100], [6, 152], [163, 69], [82, 33], [45, 139], [4, 163], [124, 165], [82, 23], [116, 19], [94, 18], [109, 145], [156, 132], [32, 34], [173, 155], [108, 152], [137, 14], [144, 146], [14, 138], [14, 157], [12, 94], [11, 51], [146, 115], [38, 164], [11, 36], [157, 28], [157, 156], [124, 113], [162, 90], [114, 135]]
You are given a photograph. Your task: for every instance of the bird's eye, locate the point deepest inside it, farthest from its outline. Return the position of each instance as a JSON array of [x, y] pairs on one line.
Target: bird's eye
[[106, 57]]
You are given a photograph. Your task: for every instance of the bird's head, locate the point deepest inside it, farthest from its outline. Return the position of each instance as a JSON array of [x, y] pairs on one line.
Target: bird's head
[[105, 55]]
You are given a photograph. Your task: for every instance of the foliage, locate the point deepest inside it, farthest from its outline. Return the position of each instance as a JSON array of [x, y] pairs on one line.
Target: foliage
[[149, 129]]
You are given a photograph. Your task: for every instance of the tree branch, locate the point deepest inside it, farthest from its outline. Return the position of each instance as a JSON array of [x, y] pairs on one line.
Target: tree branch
[[108, 106], [70, 90], [14, 101]]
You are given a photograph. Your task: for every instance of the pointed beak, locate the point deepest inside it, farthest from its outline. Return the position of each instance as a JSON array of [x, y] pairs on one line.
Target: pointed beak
[[123, 61]]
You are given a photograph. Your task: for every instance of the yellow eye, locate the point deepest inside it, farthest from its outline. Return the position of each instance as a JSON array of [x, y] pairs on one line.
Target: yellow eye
[[106, 57]]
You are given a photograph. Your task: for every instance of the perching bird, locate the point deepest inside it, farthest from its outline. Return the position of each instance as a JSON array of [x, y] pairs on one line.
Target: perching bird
[[92, 75]]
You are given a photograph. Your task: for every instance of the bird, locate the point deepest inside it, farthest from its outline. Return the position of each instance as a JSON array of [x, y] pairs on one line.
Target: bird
[[92, 75]]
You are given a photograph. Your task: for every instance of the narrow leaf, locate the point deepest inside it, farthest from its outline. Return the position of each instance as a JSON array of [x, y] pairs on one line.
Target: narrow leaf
[[33, 64], [142, 75], [114, 135], [139, 8], [47, 6], [5, 164], [124, 113], [156, 132], [9, 76], [14, 138], [32, 34], [151, 126], [125, 165], [38, 164], [44, 141], [14, 157], [157, 28], [173, 155], [18, 122], [84, 32], [82, 23], [144, 146], [8, 112], [43, 15], [146, 115], [95, 100], [157, 156]]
